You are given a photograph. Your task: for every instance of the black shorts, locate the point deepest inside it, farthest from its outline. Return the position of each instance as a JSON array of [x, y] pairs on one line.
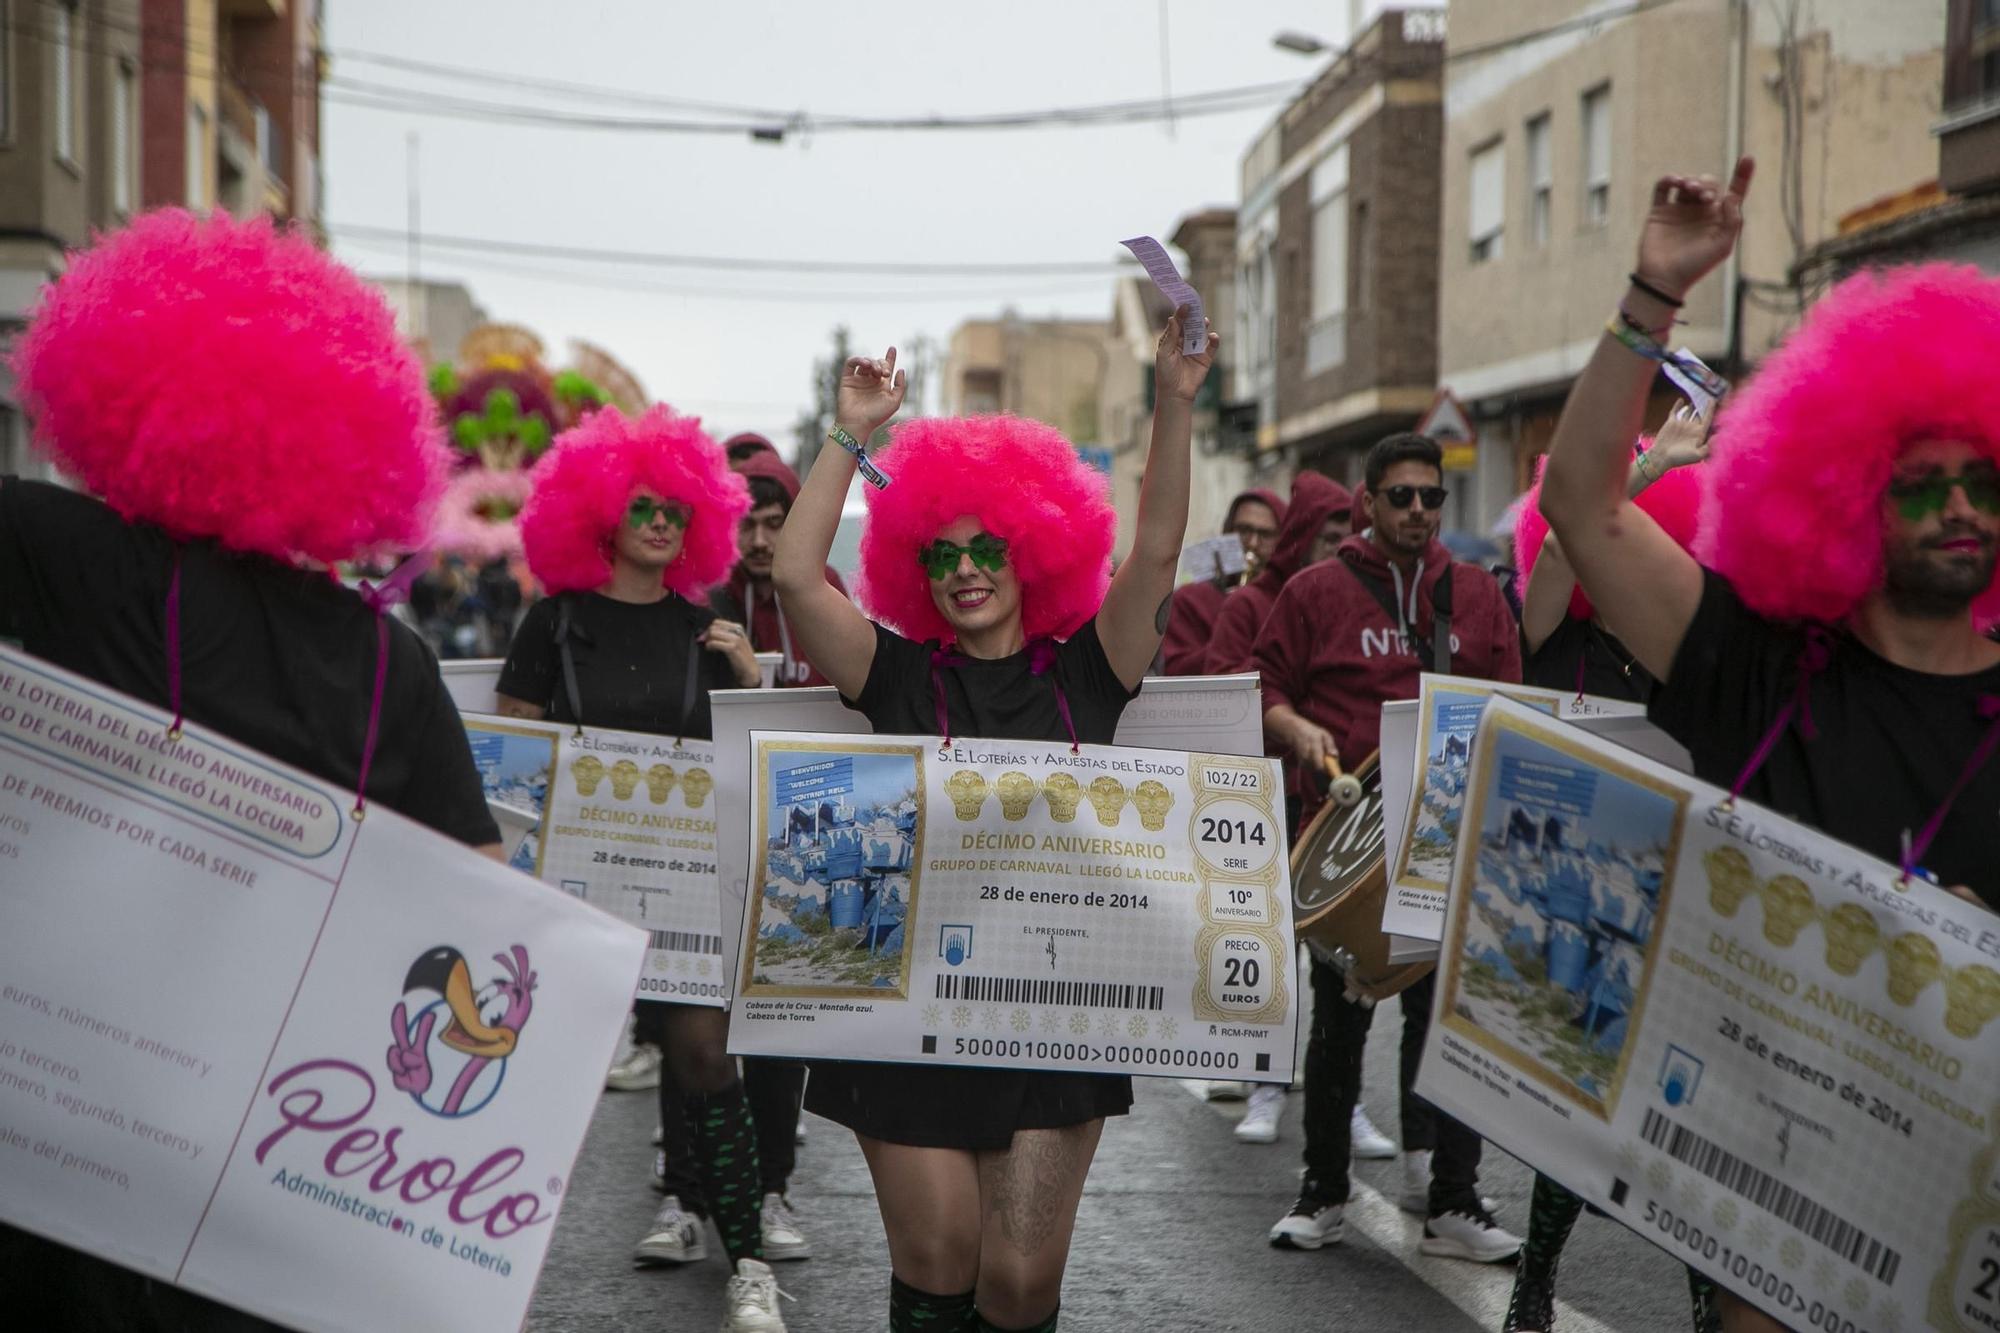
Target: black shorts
[[930, 1106]]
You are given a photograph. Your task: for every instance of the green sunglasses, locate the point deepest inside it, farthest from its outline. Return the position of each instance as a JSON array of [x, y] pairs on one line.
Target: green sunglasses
[[1919, 497], [644, 508], [941, 557]]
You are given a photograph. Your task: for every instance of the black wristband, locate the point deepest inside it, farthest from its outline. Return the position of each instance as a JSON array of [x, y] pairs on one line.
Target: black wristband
[[1652, 291]]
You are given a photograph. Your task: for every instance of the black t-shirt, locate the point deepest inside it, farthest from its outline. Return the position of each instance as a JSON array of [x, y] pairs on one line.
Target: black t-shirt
[[632, 661], [1891, 741], [997, 698], [280, 658], [1609, 671]]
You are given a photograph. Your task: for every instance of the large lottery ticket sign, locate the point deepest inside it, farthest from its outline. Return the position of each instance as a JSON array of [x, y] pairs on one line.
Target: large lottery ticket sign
[[332, 1071], [1739, 1037], [1015, 904], [624, 821]]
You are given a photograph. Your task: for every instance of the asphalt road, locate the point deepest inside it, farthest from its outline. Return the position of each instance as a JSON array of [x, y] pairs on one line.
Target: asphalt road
[[1171, 1236]]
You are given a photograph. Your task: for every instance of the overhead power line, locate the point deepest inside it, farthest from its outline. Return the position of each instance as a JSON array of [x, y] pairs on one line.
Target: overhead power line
[[739, 264]]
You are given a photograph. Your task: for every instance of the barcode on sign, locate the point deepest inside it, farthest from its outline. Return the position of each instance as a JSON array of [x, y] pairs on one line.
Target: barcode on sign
[[1032, 990], [1819, 1223], [686, 941]]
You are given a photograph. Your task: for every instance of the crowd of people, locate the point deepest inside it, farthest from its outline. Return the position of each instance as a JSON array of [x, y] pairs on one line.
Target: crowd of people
[[1796, 591]]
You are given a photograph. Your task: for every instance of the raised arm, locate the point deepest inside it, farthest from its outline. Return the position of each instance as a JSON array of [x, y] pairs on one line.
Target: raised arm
[[1133, 619], [832, 633], [1645, 586], [1681, 442]]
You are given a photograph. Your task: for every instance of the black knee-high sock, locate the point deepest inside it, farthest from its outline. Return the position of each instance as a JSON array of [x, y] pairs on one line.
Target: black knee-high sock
[[1551, 1215], [1046, 1326], [1701, 1295], [725, 1151], [914, 1311]]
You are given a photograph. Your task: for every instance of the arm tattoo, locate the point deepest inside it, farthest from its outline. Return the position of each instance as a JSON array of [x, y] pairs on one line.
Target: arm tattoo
[[1160, 616]]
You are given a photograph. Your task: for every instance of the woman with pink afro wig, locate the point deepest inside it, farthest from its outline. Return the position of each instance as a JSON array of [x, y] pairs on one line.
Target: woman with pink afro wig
[[985, 564], [632, 519]]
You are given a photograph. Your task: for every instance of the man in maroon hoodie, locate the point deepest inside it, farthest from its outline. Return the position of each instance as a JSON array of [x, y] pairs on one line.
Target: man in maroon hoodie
[[748, 598], [1253, 519], [1344, 637]]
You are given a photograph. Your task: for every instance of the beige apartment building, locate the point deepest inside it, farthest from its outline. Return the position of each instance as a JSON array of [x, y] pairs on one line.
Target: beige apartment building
[[1051, 370], [1559, 115]]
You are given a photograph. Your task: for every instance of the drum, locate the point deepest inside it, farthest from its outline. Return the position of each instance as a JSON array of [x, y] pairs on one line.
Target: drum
[[1340, 884]]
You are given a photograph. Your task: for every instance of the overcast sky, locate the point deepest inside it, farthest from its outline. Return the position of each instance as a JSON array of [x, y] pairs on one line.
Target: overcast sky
[[738, 348]]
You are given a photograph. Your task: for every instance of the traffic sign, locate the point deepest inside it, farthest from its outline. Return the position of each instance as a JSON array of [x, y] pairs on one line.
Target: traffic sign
[[1450, 425]]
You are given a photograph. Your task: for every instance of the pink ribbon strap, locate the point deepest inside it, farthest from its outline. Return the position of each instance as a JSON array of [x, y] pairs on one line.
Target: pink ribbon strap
[[174, 647], [1813, 659], [1041, 657], [380, 598], [1914, 849]]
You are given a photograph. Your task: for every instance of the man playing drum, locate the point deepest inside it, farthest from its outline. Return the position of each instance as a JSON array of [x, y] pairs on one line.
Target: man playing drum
[[1345, 637]]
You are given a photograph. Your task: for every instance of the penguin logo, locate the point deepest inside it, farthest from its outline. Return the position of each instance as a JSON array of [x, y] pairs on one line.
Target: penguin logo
[[451, 1043]]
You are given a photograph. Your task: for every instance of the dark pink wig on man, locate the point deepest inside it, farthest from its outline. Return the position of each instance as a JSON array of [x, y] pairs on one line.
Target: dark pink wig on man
[[1803, 452], [586, 481], [1674, 502], [225, 379], [1023, 481]]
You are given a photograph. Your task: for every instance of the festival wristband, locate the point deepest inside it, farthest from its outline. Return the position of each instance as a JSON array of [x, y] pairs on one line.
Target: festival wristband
[[1640, 340], [876, 476]]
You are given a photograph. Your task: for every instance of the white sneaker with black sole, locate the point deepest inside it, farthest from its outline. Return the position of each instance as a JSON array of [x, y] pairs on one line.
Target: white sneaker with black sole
[[1310, 1224], [1370, 1143], [1260, 1120], [1470, 1235], [636, 1072], [783, 1241], [675, 1236], [751, 1303]]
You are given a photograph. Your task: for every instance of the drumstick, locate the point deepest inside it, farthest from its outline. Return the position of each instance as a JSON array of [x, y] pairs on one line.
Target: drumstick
[[1346, 789]]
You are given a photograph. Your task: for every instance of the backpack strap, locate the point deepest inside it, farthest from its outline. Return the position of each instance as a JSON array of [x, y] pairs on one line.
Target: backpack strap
[[563, 631], [1438, 650]]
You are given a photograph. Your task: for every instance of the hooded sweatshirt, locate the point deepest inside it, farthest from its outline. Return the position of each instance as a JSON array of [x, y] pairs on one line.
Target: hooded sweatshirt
[[754, 604], [1334, 654], [1195, 605], [1315, 498]]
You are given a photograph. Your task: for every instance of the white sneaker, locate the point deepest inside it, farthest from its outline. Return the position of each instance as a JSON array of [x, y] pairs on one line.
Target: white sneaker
[[676, 1236], [636, 1072], [1474, 1235], [1224, 1091], [1310, 1224], [751, 1305], [659, 1135], [1370, 1143], [1416, 1195], [783, 1241], [799, 1134], [1260, 1122]]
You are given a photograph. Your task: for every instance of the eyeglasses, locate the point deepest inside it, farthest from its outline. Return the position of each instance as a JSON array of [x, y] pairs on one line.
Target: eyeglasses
[[1400, 497], [1919, 497], [1250, 532], [941, 557], [644, 509]]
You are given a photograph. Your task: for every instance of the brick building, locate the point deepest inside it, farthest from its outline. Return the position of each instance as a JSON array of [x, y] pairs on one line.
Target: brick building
[[1337, 238]]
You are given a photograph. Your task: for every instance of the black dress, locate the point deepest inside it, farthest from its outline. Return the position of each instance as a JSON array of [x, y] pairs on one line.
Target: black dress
[[951, 1106], [1580, 654]]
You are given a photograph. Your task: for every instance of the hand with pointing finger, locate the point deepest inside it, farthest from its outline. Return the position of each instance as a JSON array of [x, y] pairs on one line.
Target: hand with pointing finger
[[871, 393], [1692, 226]]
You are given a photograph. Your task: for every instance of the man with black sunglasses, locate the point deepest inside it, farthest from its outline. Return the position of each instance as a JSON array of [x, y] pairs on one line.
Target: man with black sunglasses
[[1346, 636]]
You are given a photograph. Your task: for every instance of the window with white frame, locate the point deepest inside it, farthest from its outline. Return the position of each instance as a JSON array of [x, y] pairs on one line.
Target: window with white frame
[[1597, 156], [1488, 213], [1326, 333], [124, 111], [197, 156], [62, 50], [1541, 181]]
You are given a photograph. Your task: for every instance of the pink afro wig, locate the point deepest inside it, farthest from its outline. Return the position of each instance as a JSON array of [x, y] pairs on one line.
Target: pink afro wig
[[585, 482], [224, 379], [479, 519], [1023, 481], [1674, 502], [1803, 452]]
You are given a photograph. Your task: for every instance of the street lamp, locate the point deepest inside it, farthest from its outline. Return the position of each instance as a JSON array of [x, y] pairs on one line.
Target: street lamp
[[1300, 43]]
